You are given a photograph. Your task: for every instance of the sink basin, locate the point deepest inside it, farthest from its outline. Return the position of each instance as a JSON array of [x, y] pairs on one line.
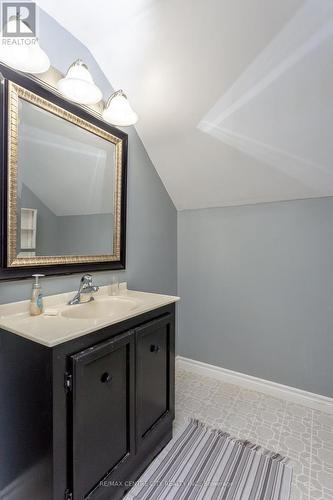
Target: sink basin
[[101, 308]]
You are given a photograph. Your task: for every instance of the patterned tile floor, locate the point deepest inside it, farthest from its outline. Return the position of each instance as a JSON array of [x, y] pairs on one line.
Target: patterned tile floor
[[302, 434]]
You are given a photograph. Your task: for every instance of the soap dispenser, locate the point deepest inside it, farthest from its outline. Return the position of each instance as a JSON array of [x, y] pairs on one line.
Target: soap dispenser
[[36, 304]]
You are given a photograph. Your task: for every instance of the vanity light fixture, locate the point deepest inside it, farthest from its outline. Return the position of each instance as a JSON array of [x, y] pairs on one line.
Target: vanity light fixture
[[22, 53], [78, 85], [118, 110]]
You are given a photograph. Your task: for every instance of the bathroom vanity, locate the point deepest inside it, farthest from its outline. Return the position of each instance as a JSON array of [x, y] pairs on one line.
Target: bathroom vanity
[[86, 394], [86, 390]]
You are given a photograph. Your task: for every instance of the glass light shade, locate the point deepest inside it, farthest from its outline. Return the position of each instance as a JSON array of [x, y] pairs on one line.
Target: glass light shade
[[118, 111], [23, 54], [79, 86]]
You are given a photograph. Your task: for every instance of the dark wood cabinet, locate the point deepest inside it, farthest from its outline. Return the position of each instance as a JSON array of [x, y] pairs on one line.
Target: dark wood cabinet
[[102, 412], [97, 409], [154, 376]]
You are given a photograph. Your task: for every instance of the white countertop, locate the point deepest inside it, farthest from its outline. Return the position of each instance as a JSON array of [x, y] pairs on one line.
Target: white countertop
[[53, 330]]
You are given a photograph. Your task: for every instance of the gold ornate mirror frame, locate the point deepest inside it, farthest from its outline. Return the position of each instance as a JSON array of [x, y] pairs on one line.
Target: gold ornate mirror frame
[[16, 92]]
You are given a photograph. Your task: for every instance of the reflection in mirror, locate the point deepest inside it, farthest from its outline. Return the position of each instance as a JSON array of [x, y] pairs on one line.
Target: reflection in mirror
[[65, 187]]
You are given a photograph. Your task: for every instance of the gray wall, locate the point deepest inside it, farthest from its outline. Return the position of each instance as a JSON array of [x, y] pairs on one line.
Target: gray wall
[[90, 234], [152, 217], [257, 290]]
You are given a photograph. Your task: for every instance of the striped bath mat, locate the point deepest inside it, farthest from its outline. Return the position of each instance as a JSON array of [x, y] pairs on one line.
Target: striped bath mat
[[203, 463]]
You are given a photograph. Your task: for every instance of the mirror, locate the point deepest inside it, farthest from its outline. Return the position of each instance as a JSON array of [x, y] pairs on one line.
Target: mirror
[[65, 187], [66, 177]]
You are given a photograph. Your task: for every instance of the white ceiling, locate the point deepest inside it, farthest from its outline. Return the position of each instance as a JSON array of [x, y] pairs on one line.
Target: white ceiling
[[234, 96]]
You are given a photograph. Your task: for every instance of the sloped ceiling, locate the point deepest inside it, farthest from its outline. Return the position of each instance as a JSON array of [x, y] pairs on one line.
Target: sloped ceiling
[[234, 96]]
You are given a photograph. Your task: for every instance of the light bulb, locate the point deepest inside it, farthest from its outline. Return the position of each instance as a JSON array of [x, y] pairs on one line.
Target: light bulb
[[23, 53], [78, 85], [118, 110]]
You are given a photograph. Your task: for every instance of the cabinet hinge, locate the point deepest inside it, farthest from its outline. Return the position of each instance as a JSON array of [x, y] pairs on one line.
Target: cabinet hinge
[[68, 495], [68, 382]]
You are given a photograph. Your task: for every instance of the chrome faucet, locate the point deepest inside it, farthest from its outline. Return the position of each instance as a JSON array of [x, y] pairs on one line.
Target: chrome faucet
[[85, 291]]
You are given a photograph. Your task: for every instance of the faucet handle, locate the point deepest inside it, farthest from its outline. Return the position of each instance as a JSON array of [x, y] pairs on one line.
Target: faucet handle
[[86, 279]]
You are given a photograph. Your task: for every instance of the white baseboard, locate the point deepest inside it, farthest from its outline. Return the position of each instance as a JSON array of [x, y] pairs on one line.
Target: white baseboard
[[315, 401]]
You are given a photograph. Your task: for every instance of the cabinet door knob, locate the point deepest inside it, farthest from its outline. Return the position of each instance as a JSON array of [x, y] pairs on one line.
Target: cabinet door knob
[[106, 378], [154, 348]]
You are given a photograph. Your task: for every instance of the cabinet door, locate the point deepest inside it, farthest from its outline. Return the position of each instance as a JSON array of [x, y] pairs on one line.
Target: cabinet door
[[155, 376], [102, 413]]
